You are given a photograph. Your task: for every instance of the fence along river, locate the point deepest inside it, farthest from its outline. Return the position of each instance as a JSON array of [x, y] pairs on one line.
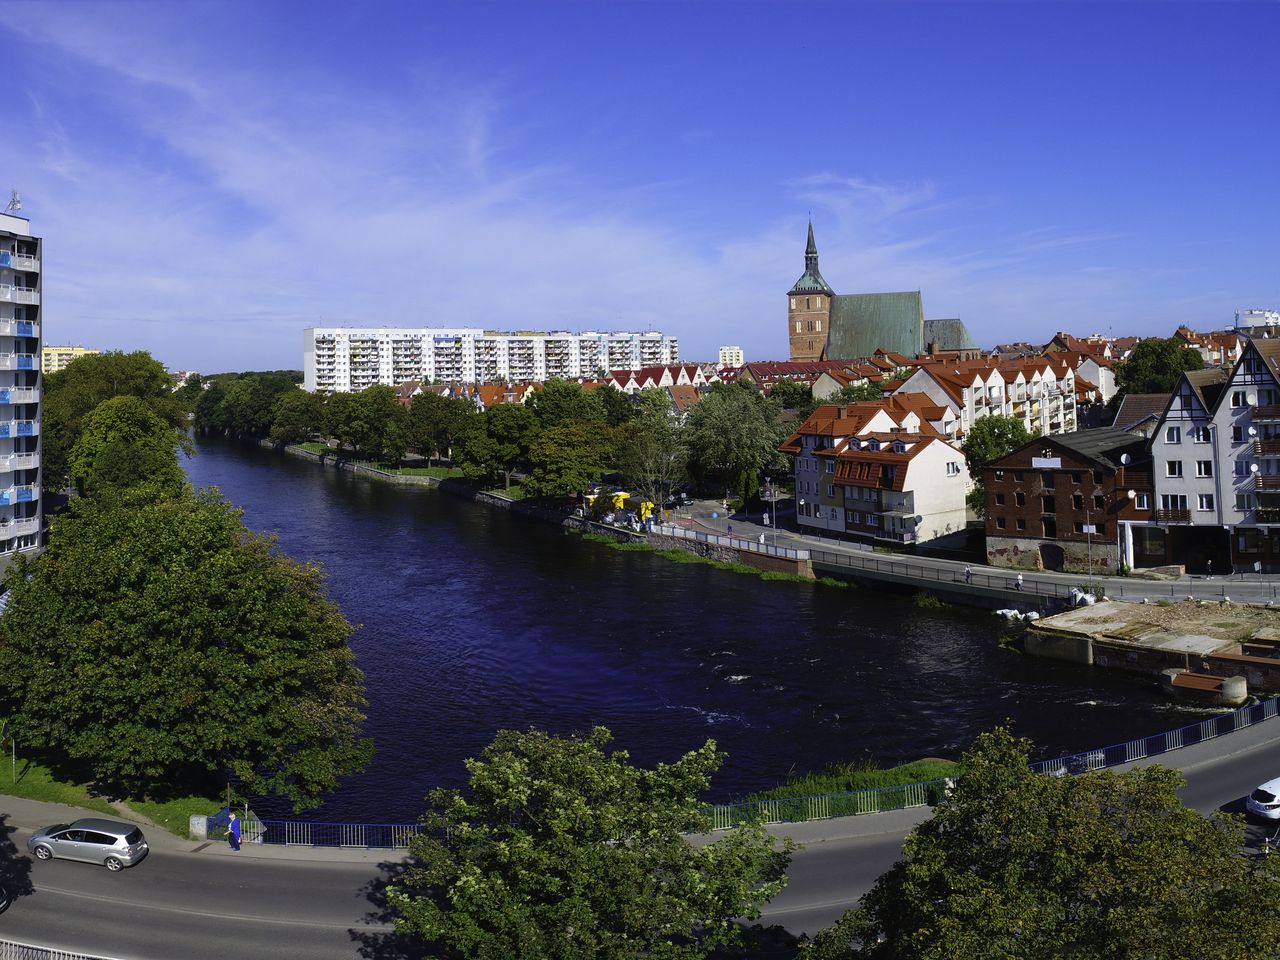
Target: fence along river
[[473, 619]]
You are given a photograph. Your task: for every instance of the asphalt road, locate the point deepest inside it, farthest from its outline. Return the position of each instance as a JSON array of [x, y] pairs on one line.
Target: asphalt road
[[204, 907]]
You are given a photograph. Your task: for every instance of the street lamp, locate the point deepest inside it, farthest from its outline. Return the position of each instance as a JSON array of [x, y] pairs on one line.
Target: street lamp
[[799, 513]]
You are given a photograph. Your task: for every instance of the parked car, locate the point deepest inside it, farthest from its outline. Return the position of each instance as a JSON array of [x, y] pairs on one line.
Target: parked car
[[1265, 801], [111, 843]]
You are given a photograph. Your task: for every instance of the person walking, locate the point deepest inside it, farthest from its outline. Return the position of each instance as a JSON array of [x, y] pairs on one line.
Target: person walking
[[233, 832], [1017, 583], [968, 574]]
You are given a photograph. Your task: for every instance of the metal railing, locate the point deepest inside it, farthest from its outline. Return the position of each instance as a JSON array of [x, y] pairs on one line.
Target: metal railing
[[13, 950], [900, 567], [736, 543], [883, 799]]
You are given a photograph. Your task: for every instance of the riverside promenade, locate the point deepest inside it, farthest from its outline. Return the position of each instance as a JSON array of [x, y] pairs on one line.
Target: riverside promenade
[[984, 586]]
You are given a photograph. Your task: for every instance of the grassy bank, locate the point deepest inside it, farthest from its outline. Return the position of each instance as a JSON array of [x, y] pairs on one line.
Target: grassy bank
[[684, 556], [848, 777], [37, 782]]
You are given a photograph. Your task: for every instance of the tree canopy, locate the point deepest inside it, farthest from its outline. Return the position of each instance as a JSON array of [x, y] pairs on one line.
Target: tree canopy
[[561, 850], [560, 402], [856, 393], [1025, 865], [565, 459], [496, 443], [161, 645], [732, 434], [1155, 365], [123, 444], [74, 392]]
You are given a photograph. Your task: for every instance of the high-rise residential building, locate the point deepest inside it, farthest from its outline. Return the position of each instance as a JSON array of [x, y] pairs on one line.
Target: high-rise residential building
[[348, 359], [731, 356], [54, 358], [19, 386]]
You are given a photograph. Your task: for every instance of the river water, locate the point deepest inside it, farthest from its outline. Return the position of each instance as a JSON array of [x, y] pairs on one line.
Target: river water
[[472, 619]]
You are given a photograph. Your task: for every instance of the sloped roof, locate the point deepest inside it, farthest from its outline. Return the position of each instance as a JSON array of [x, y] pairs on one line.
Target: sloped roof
[[862, 323], [1136, 407], [948, 335], [1103, 445], [1208, 384]]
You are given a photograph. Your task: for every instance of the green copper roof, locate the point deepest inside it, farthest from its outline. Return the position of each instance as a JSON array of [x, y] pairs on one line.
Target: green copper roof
[[863, 322], [948, 335], [811, 280]]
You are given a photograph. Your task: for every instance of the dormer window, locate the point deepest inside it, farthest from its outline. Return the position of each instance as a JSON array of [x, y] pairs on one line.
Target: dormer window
[[899, 447]]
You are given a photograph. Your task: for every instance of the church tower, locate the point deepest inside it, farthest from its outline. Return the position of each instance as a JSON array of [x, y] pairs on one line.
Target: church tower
[[809, 308]]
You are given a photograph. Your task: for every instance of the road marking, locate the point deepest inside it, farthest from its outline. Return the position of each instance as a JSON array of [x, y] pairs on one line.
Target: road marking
[[215, 915]]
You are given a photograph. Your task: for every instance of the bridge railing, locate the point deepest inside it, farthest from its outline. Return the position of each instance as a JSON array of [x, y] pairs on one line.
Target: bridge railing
[[904, 567], [735, 543]]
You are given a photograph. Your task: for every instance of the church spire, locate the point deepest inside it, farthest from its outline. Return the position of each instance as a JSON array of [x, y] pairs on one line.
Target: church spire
[[811, 281]]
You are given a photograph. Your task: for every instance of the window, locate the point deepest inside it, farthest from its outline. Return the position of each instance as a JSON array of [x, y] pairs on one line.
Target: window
[[1079, 526], [999, 499], [1237, 434], [1244, 501], [1204, 501], [999, 476], [1237, 398], [1172, 434], [1075, 478], [1250, 540], [1204, 468], [953, 469], [1173, 468], [1142, 501], [1020, 499], [819, 324], [831, 466], [797, 326], [1200, 435], [1049, 526], [999, 523], [1173, 501], [1099, 501], [835, 515], [831, 491], [1020, 524], [1077, 502], [1046, 504], [1243, 468], [793, 303]]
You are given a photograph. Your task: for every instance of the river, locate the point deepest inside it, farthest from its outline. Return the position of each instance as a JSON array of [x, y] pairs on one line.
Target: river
[[472, 619]]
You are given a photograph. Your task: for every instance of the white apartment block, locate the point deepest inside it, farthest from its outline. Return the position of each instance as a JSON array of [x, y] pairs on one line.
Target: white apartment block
[[20, 388], [1038, 392], [731, 356], [349, 359]]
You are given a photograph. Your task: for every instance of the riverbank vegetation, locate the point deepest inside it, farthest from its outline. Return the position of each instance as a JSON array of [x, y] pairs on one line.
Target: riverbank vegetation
[[561, 440], [850, 777], [158, 648]]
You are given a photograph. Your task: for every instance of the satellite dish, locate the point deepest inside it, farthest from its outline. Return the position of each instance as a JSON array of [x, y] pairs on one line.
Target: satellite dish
[[1124, 459], [1251, 399], [1253, 431], [1253, 468], [1132, 494]]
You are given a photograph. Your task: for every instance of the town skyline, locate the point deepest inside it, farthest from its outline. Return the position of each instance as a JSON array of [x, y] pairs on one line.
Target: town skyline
[[211, 180]]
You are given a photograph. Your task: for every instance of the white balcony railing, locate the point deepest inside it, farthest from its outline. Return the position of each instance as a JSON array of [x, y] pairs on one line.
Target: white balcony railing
[[11, 294], [19, 461], [19, 395], [18, 528], [19, 328], [21, 261]]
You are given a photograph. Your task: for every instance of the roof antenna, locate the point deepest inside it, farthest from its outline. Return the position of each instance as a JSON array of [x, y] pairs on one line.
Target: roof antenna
[[15, 203]]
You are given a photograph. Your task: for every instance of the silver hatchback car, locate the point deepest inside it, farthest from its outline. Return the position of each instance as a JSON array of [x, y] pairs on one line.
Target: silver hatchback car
[[111, 843]]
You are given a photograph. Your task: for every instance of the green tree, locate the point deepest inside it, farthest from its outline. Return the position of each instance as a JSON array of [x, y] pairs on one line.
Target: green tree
[[160, 644], [565, 459], [434, 422], [189, 392], [496, 443], [247, 405], [732, 434], [652, 456], [618, 406], [295, 416], [562, 851], [74, 392], [373, 422], [123, 444], [561, 401], [989, 439], [792, 395], [1155, 366], [856, 393], [1018, 864]]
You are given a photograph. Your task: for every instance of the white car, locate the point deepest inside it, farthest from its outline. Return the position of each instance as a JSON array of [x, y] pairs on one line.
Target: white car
[[1265, 801]]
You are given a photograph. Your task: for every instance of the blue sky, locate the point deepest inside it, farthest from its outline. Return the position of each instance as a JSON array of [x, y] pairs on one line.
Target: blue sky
[[210, 179]]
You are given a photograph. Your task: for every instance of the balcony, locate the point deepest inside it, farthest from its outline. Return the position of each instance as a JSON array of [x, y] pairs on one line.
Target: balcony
[[1268, 514], [1173, 516], [19, 328], [897, 536], [1267, 448], [23, 494], [18, 528], [19, 395], [19, 461], [1265, 482], [11, 294], [29, 428], [18, 261], [1269, 412]]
